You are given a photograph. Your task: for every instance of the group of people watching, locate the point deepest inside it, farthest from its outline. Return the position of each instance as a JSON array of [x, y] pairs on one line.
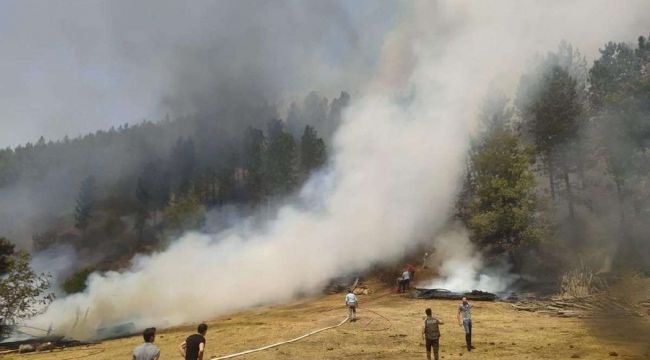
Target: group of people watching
[[431, 329], [191, 349]]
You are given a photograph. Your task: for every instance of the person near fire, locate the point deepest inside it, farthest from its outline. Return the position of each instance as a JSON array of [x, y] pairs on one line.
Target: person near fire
[[405, 282], [411, 269], [351, 302]]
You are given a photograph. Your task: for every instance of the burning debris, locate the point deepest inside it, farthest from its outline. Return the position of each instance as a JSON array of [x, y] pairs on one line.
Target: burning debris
[[26, 343], [342, 284], [443, 294], [362, 290], [39, 344], [117, 331]]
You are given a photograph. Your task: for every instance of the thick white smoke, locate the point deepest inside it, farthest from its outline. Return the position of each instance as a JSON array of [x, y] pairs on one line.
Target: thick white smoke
[[393, 176], [460, 265], [58, 261]]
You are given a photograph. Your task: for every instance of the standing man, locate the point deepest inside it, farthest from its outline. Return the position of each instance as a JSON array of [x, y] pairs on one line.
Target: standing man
[[351, 302], [465, 309], [406, 280], [147, 350], [193, 347], [431, 334], [411, 269]]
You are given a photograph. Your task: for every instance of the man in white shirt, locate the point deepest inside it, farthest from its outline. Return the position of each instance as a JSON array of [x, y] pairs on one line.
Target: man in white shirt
[[465, 311], [351, 302], [147, 350], [406, 281]]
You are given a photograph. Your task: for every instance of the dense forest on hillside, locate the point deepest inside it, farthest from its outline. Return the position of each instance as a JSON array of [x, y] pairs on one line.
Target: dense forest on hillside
[[114, 193]]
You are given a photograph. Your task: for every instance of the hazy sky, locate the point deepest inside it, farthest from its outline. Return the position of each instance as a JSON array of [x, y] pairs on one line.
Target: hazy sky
[[72, 67], [75, 66]]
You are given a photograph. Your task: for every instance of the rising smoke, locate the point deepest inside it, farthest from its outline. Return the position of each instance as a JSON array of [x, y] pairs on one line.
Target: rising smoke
[[106, 63], [394, 172], [460, 266]]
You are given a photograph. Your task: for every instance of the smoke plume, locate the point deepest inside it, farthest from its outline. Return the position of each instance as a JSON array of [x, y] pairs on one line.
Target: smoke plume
[[393, 176], [460, 265], [70, 69]]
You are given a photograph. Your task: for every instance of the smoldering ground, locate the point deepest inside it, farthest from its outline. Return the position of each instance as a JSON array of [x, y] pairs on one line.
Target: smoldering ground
[[395, 170]]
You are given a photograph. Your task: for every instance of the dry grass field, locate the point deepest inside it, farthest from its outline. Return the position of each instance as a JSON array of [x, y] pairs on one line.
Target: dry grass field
[[389, 327]]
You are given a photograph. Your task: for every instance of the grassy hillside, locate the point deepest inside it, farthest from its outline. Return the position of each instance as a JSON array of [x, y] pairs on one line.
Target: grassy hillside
[[389, 328]]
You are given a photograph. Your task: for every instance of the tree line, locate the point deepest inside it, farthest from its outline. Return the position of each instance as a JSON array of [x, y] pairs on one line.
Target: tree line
[[586, 130], [131, 189]]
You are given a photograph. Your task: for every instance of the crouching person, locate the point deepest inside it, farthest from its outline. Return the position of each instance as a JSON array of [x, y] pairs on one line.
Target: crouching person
[[351, 302], [431, 334]]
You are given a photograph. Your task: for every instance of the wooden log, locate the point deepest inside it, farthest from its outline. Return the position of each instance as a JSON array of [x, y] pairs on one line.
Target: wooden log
[[579, 306]]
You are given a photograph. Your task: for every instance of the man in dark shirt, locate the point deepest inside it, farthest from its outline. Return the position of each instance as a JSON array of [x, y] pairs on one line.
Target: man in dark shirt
[[193, 347], [431, 334]]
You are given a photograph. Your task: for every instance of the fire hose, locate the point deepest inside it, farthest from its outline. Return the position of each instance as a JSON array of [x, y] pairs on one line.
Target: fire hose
[[280, 343], [354, 286]]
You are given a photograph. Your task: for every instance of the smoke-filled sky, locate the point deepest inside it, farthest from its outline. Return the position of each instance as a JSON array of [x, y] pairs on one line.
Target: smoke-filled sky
[[73, 67], [396, 159]]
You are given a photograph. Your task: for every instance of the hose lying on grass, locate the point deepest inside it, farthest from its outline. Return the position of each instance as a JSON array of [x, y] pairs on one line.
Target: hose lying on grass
[[280, 343]]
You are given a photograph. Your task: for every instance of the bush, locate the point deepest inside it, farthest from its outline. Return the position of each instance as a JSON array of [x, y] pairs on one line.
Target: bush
[[76, 283], [23, 293]]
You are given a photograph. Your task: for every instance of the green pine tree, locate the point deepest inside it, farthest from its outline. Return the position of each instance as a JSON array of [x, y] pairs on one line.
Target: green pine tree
[[503, 208], [280, 161], [254, 159], [312, 151], [85, 203]]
